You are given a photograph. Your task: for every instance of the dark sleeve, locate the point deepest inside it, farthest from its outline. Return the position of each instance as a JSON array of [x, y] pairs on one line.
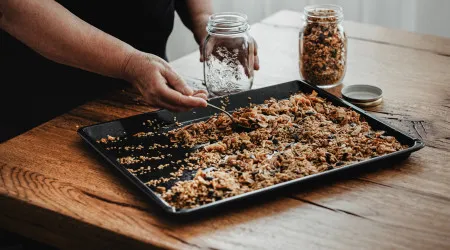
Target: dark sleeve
[[183, 12]]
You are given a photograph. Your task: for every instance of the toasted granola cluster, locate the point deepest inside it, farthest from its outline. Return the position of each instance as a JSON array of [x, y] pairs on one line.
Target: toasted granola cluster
[[323, 48], [296, 137]]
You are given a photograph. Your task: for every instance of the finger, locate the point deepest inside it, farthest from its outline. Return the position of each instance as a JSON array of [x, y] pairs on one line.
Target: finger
[[256, 65], [175, 81], [175, 108], [154, 98], [202, 58], [201, 95], [185, 101], [246, 69], [198, 91], [159, 102], [176, 98], [201, 48], [255, 53]]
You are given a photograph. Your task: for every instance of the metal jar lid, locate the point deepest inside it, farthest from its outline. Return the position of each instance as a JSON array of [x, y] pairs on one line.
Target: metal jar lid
[[363, 95]]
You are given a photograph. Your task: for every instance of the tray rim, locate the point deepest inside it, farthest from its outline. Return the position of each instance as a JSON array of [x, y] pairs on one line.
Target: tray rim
[[418, 144]]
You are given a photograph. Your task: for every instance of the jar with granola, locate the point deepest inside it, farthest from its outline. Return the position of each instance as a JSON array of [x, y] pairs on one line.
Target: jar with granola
[[323, 46]]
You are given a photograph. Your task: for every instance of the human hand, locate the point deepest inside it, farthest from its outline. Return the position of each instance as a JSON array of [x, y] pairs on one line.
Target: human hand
[[253, 50], [160, 85]]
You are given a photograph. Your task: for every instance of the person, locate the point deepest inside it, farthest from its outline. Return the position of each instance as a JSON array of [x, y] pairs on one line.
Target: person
[[56, 55]]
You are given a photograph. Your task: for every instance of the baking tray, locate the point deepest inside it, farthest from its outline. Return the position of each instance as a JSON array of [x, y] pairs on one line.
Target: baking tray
[[163, 121]]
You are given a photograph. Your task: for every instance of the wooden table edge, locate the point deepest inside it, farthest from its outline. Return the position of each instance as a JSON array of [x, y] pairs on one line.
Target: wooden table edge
[[31, 220]]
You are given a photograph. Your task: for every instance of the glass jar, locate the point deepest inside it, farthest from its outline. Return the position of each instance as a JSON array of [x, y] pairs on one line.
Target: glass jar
[[228, 52], [323, 46]]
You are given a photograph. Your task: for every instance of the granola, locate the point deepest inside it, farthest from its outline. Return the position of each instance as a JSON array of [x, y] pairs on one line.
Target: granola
[[323, 47], [296, 137]]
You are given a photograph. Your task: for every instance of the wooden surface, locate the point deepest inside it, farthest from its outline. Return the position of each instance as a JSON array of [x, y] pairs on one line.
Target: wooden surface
[[54, 189]]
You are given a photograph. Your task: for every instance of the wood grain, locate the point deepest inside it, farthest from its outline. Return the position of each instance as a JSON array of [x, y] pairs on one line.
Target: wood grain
[[54, 189], [301, 215]]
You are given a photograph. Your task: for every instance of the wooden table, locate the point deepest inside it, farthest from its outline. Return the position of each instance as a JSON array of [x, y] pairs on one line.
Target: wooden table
[[54, 189]]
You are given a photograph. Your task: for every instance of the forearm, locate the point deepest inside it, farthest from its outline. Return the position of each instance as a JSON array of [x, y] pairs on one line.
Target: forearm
[[194, 14], [57, 34]]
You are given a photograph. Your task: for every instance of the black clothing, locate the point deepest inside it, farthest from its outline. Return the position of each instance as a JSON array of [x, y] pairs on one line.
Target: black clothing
[[34, 89]]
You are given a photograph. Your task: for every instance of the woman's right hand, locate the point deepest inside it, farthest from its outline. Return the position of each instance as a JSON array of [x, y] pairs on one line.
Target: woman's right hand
[[159, 84]]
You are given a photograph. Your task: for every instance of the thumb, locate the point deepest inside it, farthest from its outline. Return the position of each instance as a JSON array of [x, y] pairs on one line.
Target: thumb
[[202, 58]]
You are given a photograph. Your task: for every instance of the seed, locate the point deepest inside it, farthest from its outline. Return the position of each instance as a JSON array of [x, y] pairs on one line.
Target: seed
[[334, 53], [368, 136], [344, 156], [321, 37], [328, 157]]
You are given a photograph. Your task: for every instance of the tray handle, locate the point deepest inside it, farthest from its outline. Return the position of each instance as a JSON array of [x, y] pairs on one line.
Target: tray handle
[[418, 143]]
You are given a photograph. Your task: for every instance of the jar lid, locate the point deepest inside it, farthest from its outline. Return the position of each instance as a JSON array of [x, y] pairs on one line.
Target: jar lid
[[363, 95]]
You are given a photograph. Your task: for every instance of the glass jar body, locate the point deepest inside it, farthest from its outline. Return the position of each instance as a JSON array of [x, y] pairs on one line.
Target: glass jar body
[[322, 50], [228, 59]]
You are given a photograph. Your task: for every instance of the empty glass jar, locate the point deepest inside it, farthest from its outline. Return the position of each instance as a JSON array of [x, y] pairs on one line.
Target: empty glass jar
[[228, 53], [323, 46]]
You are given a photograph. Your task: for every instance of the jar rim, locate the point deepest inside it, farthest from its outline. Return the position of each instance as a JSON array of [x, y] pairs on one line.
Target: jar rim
[[227, 23], [323, 11]]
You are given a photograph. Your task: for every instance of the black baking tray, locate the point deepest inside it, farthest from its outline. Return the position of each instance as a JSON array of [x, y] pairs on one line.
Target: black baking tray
[[166, 120]]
